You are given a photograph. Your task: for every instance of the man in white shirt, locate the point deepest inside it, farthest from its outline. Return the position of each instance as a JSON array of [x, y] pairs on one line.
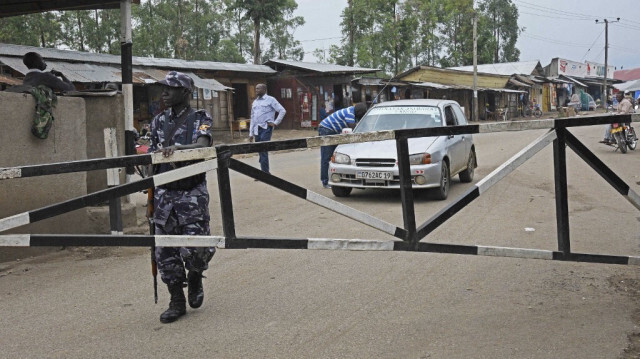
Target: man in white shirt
[[263, 121]]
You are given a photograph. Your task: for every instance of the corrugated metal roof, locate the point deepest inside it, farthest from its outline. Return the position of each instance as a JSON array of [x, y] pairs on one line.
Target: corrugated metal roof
[[87, 57], [323, 68], [76, 72], [207, 83], [505, 68], [518, 83], [627, 75], [461, 87]]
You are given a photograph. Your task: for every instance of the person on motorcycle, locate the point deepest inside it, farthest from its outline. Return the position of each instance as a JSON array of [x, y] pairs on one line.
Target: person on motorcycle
[[624, 107]]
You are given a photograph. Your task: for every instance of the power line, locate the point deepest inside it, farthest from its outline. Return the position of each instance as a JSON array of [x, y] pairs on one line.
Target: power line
[[554, 41], [629, 27], [597, 57], [594, 42], [554, 17], [554, 11]]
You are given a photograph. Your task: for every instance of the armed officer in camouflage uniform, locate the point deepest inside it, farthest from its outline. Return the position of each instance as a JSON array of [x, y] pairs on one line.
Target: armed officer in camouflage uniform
[[181, 207]]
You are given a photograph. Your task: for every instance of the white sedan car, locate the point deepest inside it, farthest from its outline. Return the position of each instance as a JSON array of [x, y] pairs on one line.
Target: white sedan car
[[434, 160]]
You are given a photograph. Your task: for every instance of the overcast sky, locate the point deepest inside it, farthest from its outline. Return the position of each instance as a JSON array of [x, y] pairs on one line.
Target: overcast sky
[[553, 28]]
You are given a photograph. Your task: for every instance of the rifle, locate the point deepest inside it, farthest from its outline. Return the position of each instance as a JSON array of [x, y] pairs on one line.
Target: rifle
[[152, 231]]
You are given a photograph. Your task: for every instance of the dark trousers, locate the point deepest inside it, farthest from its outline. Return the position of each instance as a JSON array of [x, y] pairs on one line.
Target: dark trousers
[[264, 135], [325, 155]]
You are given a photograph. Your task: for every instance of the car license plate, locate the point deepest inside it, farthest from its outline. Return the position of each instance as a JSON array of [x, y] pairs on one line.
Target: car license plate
[[374, 175]]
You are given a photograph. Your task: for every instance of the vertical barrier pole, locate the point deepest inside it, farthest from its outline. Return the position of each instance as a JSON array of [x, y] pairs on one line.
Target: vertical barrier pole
[[113, 179], [406, 191], [560, 176], [126, 59], [224, 188]]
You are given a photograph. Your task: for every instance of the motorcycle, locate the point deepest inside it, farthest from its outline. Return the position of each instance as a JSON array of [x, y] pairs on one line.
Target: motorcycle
[[624, 136]]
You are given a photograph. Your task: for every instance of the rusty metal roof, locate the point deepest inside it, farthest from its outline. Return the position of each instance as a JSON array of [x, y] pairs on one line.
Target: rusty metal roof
[[322, 68], [79, 72], [87, 57]]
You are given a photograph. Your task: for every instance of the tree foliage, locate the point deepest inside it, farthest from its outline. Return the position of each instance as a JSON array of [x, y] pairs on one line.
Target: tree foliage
[[214, 30], [273, 13], [391, 35], [395, 35]]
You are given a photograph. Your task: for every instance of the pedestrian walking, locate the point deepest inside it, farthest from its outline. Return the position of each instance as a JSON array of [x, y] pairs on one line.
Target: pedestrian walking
[[181, 207]]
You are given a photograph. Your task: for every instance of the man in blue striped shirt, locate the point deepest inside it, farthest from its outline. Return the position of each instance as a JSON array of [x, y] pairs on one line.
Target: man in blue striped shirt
[[263, 112], [333, 125]]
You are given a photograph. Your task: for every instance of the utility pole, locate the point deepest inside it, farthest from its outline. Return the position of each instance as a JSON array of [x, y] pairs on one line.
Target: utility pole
[[606, 59], [475, 67]]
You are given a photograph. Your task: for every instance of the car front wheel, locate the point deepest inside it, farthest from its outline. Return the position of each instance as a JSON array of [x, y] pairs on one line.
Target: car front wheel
[[467, 175], [341, 191], [442, 191]]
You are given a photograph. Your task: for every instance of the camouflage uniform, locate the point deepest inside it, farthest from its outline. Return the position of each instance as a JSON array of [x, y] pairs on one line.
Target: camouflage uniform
[[181, 212]]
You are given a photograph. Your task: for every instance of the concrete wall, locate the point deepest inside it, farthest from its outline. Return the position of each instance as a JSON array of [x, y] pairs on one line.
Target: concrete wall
[[66, 142], [102, 112], [70, 139]]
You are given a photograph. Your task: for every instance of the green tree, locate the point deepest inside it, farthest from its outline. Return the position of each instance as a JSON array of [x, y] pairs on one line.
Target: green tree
[[262, 12], [457, 29], [501, 20], [426, 39], [282, 44], [34, 30]]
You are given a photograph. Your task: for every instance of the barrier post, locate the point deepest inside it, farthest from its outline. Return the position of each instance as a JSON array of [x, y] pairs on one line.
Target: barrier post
[[113, 180], [406, 191], [560, 176], [224, 189]]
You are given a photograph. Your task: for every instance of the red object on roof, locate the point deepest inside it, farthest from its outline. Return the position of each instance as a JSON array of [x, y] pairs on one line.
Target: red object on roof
[[627, 75]]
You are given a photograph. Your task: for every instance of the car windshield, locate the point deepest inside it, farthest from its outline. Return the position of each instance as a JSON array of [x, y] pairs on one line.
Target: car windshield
[[399, 118]]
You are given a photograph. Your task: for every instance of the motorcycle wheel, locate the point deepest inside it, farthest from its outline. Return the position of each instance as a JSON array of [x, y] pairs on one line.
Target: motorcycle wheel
[[622, 143], [632, 140]]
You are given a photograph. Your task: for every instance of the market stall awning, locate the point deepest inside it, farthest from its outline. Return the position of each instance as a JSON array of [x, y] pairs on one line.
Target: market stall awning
[[461, 87], [574, 81]]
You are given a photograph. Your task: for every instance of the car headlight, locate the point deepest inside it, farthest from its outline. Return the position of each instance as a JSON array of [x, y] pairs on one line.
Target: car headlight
[[340, 158], [420, 159]]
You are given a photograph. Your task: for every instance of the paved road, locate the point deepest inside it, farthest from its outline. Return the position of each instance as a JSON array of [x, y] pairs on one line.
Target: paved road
[[82, 303]]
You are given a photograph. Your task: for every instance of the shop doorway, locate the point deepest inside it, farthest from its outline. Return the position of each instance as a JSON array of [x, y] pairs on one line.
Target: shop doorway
[[240, 101]]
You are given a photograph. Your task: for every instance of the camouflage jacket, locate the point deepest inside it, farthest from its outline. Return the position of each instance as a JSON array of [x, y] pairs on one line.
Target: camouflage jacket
[[189, 205]]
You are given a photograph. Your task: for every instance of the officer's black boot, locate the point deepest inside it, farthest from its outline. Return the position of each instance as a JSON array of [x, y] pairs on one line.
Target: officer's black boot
[[177, 305], [196, 293]]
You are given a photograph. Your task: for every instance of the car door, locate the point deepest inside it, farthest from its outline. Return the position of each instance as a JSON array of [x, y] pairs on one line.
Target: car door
[[467, 138], [454, 143]]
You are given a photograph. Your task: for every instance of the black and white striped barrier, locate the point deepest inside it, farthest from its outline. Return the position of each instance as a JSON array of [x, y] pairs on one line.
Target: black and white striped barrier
[[100, 240], [310, 142], [106, 163], [44, 240], [601, 168], [410, 235], [484, 184], [317, 199], [104, 195]]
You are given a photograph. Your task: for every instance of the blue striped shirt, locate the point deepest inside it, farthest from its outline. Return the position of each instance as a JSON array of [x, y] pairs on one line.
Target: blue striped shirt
[[340, 119]]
